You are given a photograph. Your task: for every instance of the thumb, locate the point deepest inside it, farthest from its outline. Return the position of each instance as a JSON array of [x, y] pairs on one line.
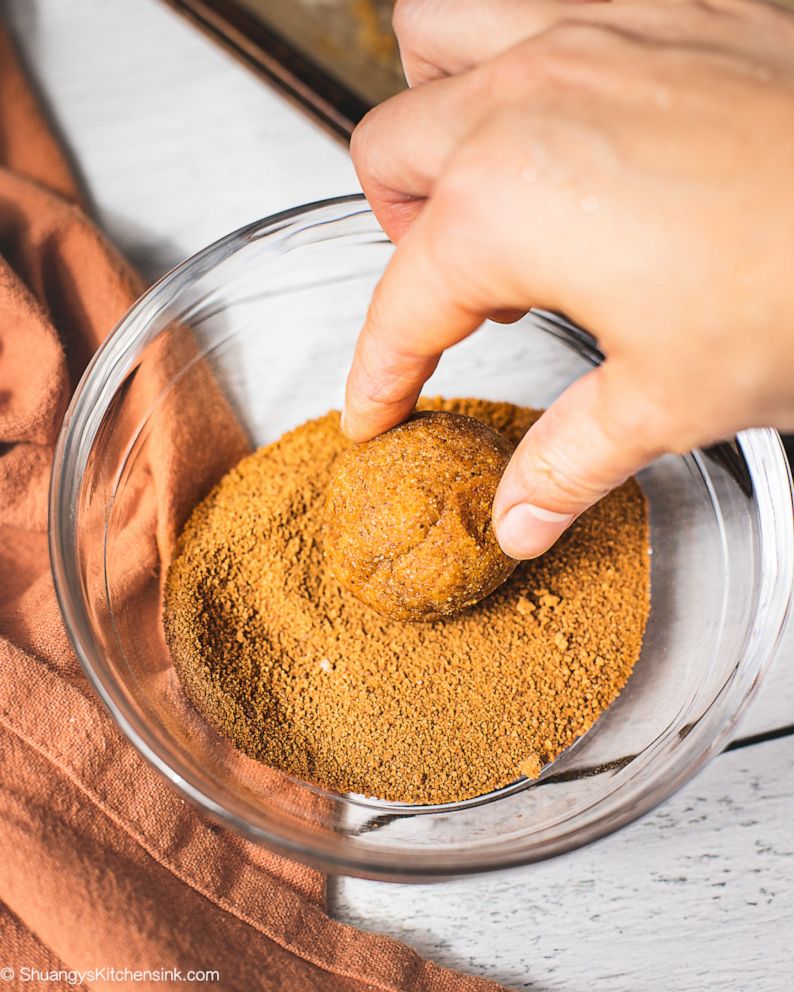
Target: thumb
[[596, 434]]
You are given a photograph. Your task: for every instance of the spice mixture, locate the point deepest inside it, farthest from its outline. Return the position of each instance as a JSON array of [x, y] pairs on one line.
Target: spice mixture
[[301, 675]]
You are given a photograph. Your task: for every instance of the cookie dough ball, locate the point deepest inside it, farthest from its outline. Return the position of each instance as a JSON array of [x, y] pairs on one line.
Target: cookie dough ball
[[408, 517]]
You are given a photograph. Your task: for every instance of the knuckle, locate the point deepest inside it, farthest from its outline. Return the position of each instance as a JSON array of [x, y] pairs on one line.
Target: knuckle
[[565, 484], [385, 379], [547, 74], [562, 49], [575, 33], [498, 78], [570, 52], [638, 408], [359, 140], [458, 187], [711, 8], [379, 389], [370, 139], [524, 69], [407, 20], [371, 384], [506, 75]]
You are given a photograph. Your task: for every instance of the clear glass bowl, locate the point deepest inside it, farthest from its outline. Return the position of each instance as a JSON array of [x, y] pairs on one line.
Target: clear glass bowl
[[260, 327]]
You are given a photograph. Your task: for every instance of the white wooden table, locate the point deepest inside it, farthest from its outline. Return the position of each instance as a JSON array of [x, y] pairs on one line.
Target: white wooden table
[[179, 145]]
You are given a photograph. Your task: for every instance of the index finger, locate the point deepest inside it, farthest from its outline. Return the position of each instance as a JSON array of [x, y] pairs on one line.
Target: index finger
[[495, 235], [417, 311]]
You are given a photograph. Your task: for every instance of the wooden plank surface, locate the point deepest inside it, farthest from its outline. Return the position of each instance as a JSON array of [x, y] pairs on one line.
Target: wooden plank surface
[[697, 896], [178, 145]]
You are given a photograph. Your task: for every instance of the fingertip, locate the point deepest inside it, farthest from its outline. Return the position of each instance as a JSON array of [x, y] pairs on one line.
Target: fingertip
[[364, 417], [527, 531], [354, 427], [343, 423]]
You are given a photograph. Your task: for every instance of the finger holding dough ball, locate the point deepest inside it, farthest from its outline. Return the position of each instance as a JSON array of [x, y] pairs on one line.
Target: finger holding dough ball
[[408, 517]]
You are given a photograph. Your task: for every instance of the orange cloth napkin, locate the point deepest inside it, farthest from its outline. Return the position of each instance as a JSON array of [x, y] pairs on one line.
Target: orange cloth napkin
[[101, 864]]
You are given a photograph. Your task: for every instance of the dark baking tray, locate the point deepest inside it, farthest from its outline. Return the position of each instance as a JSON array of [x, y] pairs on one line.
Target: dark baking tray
[[299, 68]]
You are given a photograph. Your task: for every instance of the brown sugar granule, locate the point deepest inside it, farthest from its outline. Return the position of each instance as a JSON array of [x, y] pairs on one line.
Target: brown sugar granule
[[408, 517], [531, 766], [303, 676]]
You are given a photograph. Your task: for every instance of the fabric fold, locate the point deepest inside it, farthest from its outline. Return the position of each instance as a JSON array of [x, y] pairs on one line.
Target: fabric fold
[[102, 865]]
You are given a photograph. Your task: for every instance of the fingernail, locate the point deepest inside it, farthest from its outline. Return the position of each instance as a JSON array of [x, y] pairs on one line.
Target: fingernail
[[526, 531]]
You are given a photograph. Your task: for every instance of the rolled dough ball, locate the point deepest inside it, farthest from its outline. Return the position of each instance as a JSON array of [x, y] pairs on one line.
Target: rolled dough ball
[[408, 517]]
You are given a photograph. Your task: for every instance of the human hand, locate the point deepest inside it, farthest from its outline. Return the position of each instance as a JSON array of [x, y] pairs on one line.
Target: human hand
[[628, 163]]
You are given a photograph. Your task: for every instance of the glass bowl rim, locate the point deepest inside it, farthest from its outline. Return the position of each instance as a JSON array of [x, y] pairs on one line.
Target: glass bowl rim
[[86, 410]]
